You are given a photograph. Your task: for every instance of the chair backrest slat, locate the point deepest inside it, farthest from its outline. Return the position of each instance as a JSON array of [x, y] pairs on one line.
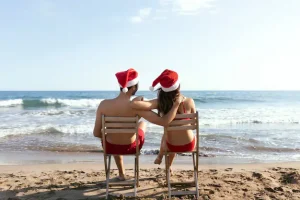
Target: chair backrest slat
[[120, 125], [181, 128], [182, 122], [132, 130], [120, 119], [182, 116]]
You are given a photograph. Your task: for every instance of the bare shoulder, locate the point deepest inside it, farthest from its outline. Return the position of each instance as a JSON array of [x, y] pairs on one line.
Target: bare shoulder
[[189, 101], [101, 106], [103, 102]]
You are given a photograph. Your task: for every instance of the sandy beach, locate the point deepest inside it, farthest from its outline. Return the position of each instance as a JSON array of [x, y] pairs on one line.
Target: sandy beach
[[87, 181]]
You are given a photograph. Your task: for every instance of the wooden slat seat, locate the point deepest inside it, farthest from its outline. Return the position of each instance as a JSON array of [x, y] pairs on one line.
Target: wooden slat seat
[[123, 183], [190, 183], [183, 193]]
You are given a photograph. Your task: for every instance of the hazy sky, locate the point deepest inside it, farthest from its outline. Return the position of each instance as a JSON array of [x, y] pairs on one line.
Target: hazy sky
[[212, 44]]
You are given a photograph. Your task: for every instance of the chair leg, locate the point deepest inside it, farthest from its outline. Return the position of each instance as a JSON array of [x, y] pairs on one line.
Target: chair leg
[[197, 187], [138, 172], [135, 181], [168, 174], [105, 166], [194, 163], [194, 167], [107, 176], [105, 163], [109, 161], [166, 167], [195, 175]]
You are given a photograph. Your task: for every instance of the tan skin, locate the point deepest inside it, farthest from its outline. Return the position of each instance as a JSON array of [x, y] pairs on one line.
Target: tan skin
[[173, 137], [120, 107]]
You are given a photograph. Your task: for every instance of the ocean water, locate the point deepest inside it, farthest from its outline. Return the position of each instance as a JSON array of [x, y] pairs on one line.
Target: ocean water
[[241, 125]]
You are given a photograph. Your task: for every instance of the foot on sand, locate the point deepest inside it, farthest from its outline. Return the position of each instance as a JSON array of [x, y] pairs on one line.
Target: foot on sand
[[171, 172], [158, 160], [121, 177]]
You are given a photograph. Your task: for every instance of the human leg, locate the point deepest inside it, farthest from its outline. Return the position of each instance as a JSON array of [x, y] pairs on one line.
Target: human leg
[[120, 166]]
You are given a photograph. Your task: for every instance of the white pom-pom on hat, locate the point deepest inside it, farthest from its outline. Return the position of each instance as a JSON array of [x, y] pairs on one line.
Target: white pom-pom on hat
[[125, 90], [151, 88]]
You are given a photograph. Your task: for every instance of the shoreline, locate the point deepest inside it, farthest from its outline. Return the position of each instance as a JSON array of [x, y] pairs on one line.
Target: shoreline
[[87, 181], [48, 157], [175, 166]]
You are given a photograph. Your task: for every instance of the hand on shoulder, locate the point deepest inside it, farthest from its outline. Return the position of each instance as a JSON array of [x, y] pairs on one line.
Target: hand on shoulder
[[139, 98], [179, 99]]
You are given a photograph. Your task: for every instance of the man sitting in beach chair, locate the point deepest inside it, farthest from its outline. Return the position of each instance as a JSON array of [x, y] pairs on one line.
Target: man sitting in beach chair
[[125, 143]]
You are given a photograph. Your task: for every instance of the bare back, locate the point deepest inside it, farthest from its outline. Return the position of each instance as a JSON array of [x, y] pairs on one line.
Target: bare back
[[118, 107], [182, 137]]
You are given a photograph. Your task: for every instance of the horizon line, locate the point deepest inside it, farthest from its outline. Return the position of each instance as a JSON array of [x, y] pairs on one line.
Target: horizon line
[[204, 90]]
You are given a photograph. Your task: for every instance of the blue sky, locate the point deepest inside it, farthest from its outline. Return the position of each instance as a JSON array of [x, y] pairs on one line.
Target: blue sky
[[212, 44]]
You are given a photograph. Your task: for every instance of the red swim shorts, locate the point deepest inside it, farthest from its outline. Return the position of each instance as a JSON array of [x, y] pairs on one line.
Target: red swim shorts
[[182, 148], [126, 148]]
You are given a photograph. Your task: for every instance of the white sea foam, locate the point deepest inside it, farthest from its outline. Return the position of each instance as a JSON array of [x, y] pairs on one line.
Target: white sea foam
[[11, 102], [267, 115], [60, 113], [47, 129], [73, 102]]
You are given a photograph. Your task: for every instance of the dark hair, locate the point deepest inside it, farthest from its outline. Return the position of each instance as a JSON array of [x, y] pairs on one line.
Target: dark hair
[[166, 100], [136, 88]]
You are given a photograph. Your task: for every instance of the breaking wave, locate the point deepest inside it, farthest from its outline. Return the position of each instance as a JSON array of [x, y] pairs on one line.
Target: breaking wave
[[50, 102], [11, 102], [224, 100]]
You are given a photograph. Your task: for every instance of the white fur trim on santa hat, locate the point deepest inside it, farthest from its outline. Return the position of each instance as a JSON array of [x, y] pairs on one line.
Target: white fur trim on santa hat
[[132, 82], [172, 88]]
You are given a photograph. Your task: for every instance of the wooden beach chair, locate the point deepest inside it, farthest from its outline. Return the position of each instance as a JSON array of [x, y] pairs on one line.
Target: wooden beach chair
[[190, 122], [119, 125]]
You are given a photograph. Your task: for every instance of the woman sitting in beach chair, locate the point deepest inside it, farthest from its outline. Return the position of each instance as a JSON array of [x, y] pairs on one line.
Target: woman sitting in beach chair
[[175, 141]]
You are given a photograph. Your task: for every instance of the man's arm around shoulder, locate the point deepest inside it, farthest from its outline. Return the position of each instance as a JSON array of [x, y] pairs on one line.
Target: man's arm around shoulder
[[156, 119]]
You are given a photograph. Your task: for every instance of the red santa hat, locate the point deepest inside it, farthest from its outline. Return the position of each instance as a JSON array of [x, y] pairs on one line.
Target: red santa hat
[[127, 79], [168, 81]]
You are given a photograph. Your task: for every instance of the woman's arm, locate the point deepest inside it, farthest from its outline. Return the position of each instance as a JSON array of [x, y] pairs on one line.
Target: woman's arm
[[162, 121], [144, 105]]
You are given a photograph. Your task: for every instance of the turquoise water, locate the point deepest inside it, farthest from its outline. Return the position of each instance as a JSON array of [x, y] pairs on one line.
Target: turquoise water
[[259, 126]]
